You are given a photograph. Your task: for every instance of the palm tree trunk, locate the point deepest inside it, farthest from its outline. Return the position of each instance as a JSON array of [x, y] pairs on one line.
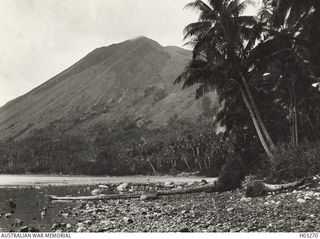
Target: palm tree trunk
[[186, 162], [295, 119], [314, 128], [293, 116], [151, 165], [291, 119], [205, 164], [199, 163], [258, 117], [256, 124], [172, 163]]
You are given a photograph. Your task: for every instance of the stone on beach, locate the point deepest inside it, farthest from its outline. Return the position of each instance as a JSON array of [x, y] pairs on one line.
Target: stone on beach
[[96, 192], [24, 229], [81, 229], [123, 187], [169, 184], [54, 227], [105, 187], [148, 196], [300, 200], [127, 220]]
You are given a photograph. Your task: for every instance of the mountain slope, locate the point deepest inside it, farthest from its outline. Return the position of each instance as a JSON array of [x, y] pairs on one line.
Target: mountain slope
[[131, 79]]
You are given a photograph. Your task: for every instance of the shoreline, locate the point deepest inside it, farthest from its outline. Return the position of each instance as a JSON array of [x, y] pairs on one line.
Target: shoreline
[[10, 180], [232, 211]]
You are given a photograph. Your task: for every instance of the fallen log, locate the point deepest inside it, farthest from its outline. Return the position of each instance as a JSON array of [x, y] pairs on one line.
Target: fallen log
[[92, 198], [254, 189], [208, 188], [259, 188], [279, 187]]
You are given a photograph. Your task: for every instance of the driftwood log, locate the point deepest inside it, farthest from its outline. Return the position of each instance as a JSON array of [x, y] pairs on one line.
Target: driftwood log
[[259, 188], [204, 188], [253, 189]]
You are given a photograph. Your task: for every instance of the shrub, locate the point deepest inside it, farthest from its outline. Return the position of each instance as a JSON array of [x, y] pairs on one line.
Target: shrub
[[256, 189], [293, 163]]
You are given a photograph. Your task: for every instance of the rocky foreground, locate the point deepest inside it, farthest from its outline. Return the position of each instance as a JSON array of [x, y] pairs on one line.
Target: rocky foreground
[[290, 211]]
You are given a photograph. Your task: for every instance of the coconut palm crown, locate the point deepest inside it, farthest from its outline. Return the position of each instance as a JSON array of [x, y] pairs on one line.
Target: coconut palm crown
[[222, 41]]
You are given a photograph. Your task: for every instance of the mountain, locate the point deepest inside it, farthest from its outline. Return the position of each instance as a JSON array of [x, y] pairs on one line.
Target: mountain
[[133, 79]]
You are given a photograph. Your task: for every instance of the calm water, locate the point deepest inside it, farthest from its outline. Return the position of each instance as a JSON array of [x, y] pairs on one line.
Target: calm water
[[31, 201], [29, 192]]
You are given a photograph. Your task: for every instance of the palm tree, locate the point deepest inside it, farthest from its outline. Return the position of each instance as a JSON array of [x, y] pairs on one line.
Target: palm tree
[[286, 53], [222, 42]]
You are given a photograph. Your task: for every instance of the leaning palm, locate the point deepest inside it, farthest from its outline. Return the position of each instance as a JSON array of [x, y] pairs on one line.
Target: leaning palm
[[222, 40], [290, 54]]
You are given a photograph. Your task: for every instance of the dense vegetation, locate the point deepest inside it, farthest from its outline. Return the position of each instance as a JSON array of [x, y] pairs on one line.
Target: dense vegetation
[[131, 148], [127, 148], [265, 69]]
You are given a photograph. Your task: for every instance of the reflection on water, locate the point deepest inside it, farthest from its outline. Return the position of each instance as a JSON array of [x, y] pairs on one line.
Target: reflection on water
[[32, 206]]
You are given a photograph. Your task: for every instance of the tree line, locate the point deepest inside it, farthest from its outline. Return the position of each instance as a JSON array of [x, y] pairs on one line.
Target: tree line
[[123, 149]]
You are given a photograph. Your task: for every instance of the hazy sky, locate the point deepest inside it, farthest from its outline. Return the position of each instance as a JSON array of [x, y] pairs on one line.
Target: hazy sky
[[40, 38]]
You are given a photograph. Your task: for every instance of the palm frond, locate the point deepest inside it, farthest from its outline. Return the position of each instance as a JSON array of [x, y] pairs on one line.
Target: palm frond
[[200, 6], [247, 20], [196, 77], [207, 45], [196, 29], [268, 47], [237, 8], [204, 89], [191, 68], [206, 13], [255, 34], [265, 15], [216, 4], [233, 6], [199, 50]]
